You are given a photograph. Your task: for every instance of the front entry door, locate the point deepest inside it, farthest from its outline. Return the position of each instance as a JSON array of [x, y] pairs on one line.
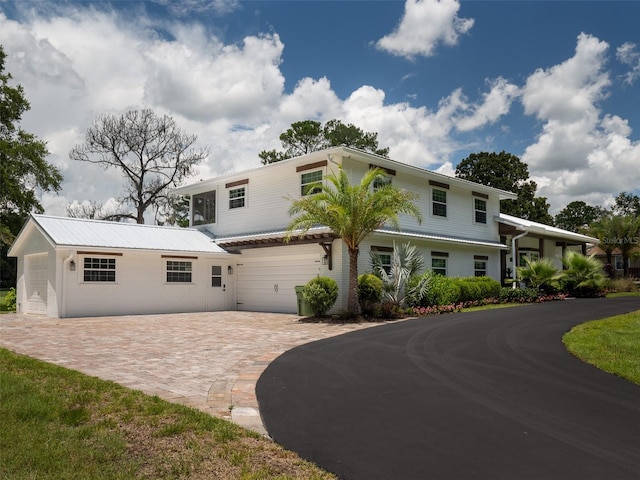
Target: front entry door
[[217, 294]]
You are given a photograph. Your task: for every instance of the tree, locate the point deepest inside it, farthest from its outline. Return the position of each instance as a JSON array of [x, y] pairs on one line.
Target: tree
[[627, 204], [24, 171], [23, 168], [152, 153], [507, 172], [577, 216], [352, 212], [618, 232], [309, 136]]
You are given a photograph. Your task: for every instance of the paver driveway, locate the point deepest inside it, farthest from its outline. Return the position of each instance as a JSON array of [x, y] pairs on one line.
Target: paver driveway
[[209, 361]]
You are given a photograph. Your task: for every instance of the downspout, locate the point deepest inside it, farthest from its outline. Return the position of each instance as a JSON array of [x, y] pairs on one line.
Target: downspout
[[515, 256]]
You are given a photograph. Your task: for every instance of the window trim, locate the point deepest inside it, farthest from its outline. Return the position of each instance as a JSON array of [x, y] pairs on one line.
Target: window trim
[[444, 256], [477, 211], [110, 260], [480, 259], [387, 252], [168, 271], [307, 186], [243, 197], [435, 202]]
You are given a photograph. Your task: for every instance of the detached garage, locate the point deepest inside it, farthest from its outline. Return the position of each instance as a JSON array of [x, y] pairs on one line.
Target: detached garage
[[70, 267]]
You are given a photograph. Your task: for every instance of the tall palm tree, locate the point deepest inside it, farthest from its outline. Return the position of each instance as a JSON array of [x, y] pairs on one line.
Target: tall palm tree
[[352, 212], [619, 232]]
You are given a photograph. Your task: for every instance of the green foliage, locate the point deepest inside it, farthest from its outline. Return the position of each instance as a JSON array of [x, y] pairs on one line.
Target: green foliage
[[24, 172], [8, 302], [406, 262], [352, 212], [309, 136], [623, 285], [583, 276], [507, 172], [440, 290], [369, 293], [577, 214], [539, 274], [518, 295], [477, 288], [627, 204], [320, 293]]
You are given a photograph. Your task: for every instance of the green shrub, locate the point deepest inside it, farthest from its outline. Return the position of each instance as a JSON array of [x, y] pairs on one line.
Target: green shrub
[[583, 276], [440, 290], [9, 301], [477, 288], [518, 295], [320, 293], [369, 293], [539, 274]]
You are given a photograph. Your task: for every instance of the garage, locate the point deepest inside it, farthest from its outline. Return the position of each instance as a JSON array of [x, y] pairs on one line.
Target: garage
[[36, 278], [267, 283]]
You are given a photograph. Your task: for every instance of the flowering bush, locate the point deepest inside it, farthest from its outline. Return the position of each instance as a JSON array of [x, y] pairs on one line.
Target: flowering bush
[[520, 295]]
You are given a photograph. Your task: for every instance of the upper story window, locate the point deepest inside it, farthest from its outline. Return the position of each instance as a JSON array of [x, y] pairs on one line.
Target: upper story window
[[99, 269], [480, 209], [237, 197], [381, 181], [178, 271], [203, 208], [439, 202], [310, 182]]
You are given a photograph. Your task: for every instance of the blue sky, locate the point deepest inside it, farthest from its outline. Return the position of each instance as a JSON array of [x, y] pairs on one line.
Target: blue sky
[[555, 83]]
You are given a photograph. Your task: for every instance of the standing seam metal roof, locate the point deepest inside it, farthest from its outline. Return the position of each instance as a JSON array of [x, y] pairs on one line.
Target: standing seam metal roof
[[78, 232]]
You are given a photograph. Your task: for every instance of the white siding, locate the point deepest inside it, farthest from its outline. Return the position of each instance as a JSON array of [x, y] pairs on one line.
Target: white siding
[[141, 287]]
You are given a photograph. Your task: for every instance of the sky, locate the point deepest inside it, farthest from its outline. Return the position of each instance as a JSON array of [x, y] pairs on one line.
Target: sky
[[555, 83]]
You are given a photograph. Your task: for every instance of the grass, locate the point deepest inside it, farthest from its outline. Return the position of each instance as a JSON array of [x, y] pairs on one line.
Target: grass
[[623, 294], [61, 424], [611, 344]]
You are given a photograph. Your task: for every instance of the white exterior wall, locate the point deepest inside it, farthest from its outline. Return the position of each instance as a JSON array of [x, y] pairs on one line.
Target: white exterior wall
[[140, 287], [37, 246]]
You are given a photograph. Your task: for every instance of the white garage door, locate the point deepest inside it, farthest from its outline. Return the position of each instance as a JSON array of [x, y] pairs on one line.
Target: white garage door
[[267, 283], [37, 274]]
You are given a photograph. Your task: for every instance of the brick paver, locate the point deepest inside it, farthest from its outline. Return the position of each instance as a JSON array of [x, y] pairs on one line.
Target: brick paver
[[210, 361]]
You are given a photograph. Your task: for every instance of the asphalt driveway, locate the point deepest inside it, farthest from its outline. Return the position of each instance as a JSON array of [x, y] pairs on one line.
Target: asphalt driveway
[[484, 395]]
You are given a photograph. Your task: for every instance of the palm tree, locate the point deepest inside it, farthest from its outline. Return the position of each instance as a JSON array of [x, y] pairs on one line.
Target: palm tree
[[406, 262], [352, 212], [619, 232], [583, 276], [538, 274]]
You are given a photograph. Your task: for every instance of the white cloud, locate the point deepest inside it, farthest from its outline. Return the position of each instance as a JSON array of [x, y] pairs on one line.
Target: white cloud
[[628, 54], [426, 24], [496, 103], [580, 153]]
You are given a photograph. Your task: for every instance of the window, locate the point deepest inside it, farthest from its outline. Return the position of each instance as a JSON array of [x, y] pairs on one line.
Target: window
[[99, 269], [385, 261], [204, 208], [236, 197], [439, 201], [381, 181], [178, 271], [618, 260], [439, 266], [480, 207], [216, 275], [310, 182], [480, 265]]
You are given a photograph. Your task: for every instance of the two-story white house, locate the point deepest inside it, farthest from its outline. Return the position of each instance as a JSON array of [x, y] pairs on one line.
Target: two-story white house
[[235, 255]]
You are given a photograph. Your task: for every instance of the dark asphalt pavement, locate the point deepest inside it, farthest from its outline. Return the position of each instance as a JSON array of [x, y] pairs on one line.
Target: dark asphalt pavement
[[480, 395]]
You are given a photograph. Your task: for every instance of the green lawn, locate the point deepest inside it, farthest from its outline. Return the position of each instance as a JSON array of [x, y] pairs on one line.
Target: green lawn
[[611, 344], [61, 424]]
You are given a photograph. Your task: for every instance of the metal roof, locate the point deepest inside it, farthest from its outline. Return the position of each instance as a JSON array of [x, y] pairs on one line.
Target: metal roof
[[442, 238], [76, 232], [542, 229]]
